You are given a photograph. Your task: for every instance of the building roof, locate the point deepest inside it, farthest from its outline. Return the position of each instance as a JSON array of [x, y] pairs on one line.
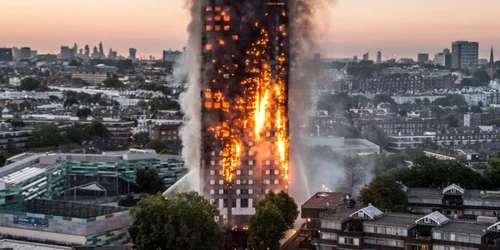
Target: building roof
[[370, 211], [22, 175], [325, 200], [453, 188], [463, 227], [395, 219], [62, 208], [433, 218]]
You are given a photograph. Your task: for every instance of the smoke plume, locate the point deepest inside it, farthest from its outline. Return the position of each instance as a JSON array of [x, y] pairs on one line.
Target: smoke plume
[[305, 32]]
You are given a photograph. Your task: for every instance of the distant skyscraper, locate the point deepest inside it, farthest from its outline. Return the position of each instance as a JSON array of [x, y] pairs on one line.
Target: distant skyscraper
[[6, 55], [132, 53], [87, 51], [34, 54], [366, 56], [95, 53], [25, 53], [465, 55], [422, 58], [379, 56], [110, 54], [493, 69], [101, 51], [75, 49], [171, 56], [440, 59], [16, 54], [355, 59], [65, 53]]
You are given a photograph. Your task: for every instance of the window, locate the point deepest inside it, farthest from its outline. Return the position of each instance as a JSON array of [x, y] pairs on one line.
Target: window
[[250, 163], [268, 172], [244, 203], [212, 163], [221, 191], [212, 182], [276, 181], [212, 191], [212, 172], [250, 172], [238, 172], [221, 182], [250, 182], [328, 236], [250, 191], [276, 172]]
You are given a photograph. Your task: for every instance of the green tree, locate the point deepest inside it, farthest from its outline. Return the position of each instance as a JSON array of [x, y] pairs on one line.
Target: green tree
[[383, 98], [452, 121], [149, 181], [385, 193], [70, 101], [75, 133], [83, 113], [430, 172], [46, 135], [186, 222], [482, 76], [11, 147], [267, 227], [96, 128], [3, 158], [142, 104], [156, 145], [29, 84], [476, 109], [285, 204], [492, 174], [113, 83], [376, 135]]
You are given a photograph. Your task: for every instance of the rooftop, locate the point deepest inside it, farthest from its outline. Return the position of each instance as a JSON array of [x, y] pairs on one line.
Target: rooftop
[[463, 227], [324, 200], [395, 219], [62, 208]]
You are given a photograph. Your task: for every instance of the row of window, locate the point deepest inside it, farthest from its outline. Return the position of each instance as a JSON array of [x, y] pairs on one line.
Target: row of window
[[384, 242], [248, 182], [248, 172], [386, 230], [457, 237]]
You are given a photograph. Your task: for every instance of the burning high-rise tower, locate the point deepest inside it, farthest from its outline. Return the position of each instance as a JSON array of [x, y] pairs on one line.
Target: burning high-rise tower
[[244, 84]]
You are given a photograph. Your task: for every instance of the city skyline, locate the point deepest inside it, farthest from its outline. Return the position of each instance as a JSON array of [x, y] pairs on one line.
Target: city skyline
[[397, 28]]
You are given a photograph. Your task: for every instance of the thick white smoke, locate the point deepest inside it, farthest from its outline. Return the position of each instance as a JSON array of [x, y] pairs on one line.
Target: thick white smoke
[[307, 18], [190, 100]]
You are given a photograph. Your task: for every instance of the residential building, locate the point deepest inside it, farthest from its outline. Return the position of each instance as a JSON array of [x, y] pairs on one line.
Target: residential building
[[465, 55], [422, 58], [132, 53], [20, 105], [166, 132], [18, 138], [91, 77], [65, 223], [397, 83], [379, 57], [235, 191], [171, 56], [402, 142], [6, 54], [344, 147], [400, 125], [65, 53], [25, 53], [342, 224], [366, 56]]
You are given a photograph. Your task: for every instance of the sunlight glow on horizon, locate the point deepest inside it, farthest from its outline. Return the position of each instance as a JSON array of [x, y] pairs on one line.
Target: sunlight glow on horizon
[[404, 28]]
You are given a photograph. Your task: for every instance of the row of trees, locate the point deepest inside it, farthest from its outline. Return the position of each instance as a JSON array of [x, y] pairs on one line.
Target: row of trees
[[49, 135], [386, 190], [187, 222]]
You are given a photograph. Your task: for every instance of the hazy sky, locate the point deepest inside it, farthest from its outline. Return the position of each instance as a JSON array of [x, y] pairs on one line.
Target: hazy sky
[[398, 27]]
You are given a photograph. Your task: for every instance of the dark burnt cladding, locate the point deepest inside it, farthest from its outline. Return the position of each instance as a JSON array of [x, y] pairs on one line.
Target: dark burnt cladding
[[244, 79]]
